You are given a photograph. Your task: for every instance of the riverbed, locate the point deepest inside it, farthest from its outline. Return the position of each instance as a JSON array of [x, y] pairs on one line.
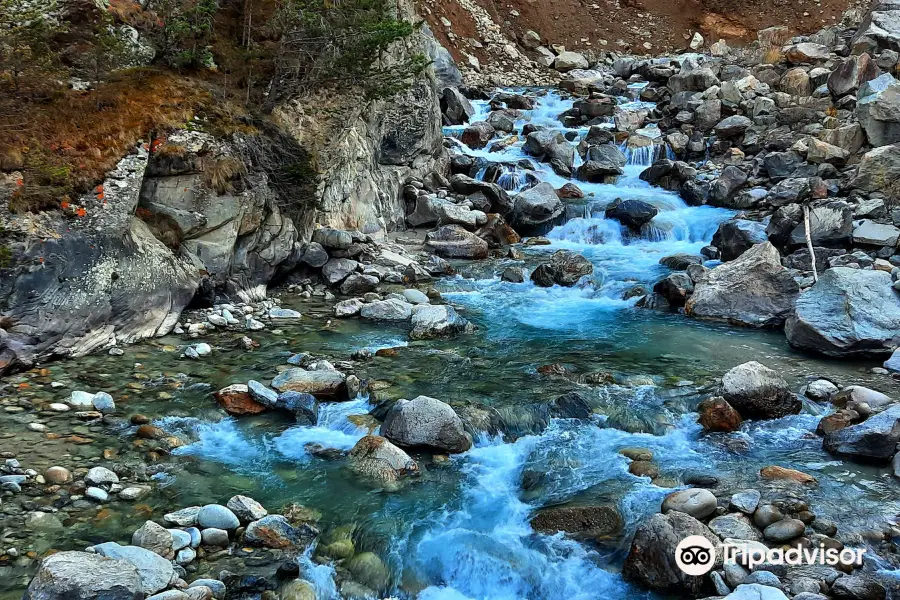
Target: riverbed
[[462, 529]]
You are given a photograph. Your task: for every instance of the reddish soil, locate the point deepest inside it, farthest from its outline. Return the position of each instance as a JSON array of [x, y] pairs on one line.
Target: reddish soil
[[628, 24]]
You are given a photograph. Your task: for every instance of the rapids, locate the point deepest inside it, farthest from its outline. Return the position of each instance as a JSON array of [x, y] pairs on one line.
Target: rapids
[[462, 531]]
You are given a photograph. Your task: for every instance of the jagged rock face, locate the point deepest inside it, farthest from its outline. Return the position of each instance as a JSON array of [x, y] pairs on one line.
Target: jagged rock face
[[369, 150], [82, 284], [240, 237]]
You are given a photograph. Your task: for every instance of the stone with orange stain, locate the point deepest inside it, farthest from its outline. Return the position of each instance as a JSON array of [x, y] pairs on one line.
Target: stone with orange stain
[[236, 400], [717, 415], [774, 472]]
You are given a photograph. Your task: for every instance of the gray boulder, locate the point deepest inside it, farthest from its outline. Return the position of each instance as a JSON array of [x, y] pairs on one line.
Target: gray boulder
[[696, 502], [651, 559], [874, 440], [565, 268], [376, 458], [849, 312], [879, 171], [634, 214], [732, 127], [477, 135], [871, 233], [392, 309], [692, 80], [84, 576], [329, 384], [536, 207], [217, 516], [452, 241], [305, 407], [456, 108], [337, 269], [753, 290], [569, 61], [852, 73], [758, 392], [156, 573], [829, 223], [736, 236], [246, 508], [426, 422], [878, 110], [429, 322]]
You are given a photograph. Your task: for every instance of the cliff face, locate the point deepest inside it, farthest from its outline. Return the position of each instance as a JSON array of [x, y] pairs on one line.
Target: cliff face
[[197, 218], [365, 151]]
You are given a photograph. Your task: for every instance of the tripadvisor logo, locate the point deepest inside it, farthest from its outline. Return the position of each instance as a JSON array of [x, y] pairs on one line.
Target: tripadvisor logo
[[695, 555]]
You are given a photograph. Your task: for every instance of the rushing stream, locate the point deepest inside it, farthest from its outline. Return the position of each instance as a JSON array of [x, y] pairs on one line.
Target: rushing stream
[[462, 530]]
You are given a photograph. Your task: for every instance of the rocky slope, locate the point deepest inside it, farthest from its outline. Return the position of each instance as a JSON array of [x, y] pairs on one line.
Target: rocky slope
[[190, 216]]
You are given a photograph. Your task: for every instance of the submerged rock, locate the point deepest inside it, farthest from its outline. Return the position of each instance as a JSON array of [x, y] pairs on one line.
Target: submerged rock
[[426, 422], [849, 312], [582, 521]]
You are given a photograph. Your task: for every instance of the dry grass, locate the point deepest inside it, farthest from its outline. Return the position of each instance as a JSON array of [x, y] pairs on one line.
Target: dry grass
[[772, 55], [66, 141], [219, 174]]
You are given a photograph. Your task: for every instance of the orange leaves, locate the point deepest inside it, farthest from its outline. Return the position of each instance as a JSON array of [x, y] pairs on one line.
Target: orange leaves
[[81, 211]]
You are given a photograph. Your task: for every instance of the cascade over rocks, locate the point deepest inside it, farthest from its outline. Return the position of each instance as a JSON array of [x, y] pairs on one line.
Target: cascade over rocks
[[634, 214]]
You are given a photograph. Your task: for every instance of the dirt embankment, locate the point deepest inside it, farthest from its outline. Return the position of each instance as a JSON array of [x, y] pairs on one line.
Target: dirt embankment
[[627, 25]]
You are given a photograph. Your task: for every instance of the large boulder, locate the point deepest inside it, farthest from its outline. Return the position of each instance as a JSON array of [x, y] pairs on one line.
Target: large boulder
[[437, 321], [758, 392], [754, 290], [634, 214], [651, 559], [497, 196], [477, 135], [806, 52], [829, 223], [875, 439], [569, 61], [426, 422], [692, 80], [848, 312], [732, 127], [456, 108], [879, 29], [879, 171], [535, 207], [878, 110], [84, 576], [736, 236], [321, 384], [452, 241], [696, 502], [376, 458], [156, 573], [852, 73], [565, 268]]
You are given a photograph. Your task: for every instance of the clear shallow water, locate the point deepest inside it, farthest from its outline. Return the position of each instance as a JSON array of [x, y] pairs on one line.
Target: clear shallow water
[[461, 530]]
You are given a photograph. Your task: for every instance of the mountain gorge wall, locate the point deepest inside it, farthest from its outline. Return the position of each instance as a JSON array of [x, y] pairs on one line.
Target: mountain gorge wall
[[193, 217]]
